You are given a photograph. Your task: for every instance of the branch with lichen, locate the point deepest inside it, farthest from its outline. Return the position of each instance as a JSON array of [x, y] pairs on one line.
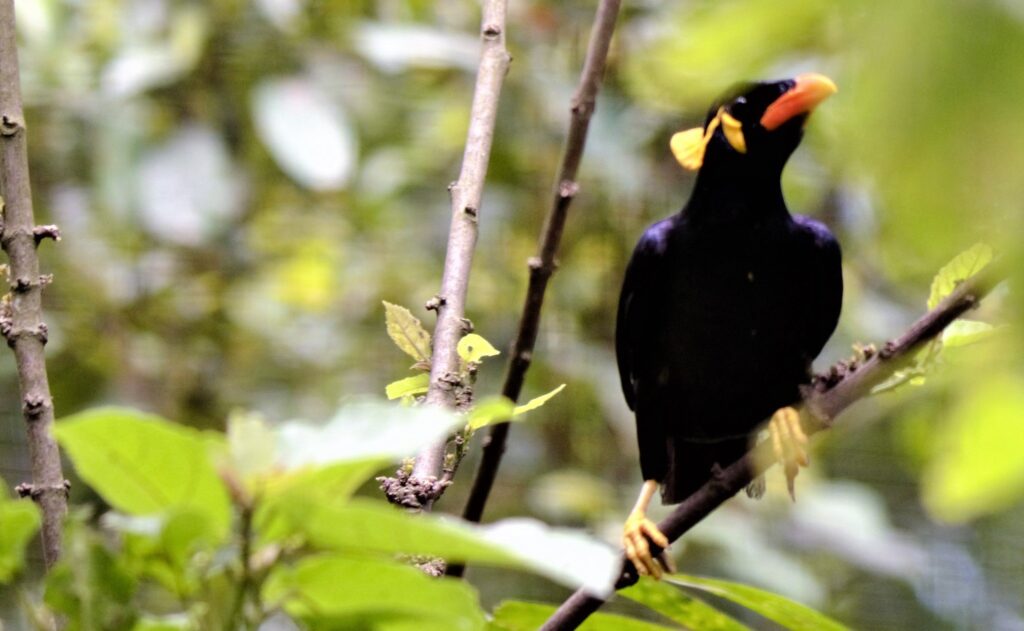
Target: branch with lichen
[[828, 395], [466, 194], [543, 265], [21, 315]]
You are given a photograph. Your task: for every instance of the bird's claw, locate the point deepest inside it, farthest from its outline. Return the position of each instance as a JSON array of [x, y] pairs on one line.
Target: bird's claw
[[635, 535], [789, 443]]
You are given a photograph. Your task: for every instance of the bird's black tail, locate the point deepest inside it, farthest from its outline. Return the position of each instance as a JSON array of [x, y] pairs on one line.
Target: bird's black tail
[[690, 464]]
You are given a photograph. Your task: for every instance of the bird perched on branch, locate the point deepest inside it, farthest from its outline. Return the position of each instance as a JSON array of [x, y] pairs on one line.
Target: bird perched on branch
[[725, 304]]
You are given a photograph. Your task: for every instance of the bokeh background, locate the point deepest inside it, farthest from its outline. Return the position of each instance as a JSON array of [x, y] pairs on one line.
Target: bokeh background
[[240, 184]]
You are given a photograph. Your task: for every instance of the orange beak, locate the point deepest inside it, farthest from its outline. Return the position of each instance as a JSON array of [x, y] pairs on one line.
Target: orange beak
[[810, 90]]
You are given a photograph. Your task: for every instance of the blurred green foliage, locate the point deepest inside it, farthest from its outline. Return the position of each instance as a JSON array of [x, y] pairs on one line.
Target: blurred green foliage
[[240, 185]]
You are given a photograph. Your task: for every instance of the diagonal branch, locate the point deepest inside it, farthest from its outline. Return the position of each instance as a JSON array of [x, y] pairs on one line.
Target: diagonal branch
[[829, 396], [21, 314], [543, 265], [466, 194]]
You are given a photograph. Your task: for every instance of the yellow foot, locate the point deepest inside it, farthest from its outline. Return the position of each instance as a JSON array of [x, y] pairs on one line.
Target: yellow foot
[[789, 444], [635, 533]]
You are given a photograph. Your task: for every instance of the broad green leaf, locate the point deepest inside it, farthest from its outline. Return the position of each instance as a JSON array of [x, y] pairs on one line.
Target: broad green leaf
[[791, 615], [473, 348], [536, 402], [489, 411], [330, 592], [142, 464], [336, 481], [963, 266], [678, 606], [963, 332], [979, 468], [407, 332], [567, 556], [515, 615], [417, 384], [365, 430], [19, 521], [315, 487], [375, 526], [251, 444]]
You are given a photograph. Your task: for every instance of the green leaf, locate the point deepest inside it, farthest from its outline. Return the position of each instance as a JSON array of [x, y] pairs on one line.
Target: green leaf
[[964, 332], [536, 402], [473, 348], [363, 431], [680, 607], [491, 410], [19, 521], [375, 526], [791, 615], [361, 526], [417, 384], [142, 464], [334, 592], [515, 615], [407, 332], [963, 266], [979, 469]]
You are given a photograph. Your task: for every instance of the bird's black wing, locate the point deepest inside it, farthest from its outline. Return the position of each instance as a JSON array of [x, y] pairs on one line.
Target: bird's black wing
[[825, 284], [639, 306], [638, 347]]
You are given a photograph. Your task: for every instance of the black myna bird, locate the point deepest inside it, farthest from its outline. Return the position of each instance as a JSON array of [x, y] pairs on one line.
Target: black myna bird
[[726, 304]]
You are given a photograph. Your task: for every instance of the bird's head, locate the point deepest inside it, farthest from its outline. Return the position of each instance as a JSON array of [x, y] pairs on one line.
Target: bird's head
[[753, 125]]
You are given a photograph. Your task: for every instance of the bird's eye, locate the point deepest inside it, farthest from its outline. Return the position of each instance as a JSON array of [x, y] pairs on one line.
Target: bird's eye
[[738, 107]]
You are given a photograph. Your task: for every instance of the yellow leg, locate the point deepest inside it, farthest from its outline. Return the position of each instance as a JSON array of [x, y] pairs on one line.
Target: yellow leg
[[789, 444], [638, 530]]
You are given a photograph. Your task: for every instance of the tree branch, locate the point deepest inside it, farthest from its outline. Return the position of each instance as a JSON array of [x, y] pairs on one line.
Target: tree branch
[[827, 397], [466, 194], [543, 265], [21, 318]]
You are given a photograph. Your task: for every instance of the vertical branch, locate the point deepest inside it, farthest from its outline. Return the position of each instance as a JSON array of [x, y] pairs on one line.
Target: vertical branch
[[465, 198], [543, 265], [21, 318]]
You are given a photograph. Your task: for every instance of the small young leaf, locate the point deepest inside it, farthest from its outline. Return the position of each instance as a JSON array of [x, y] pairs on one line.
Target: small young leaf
[[417, 384], [473, 348], [489, 411], [536, 402], [678, 606], [963, 266], [790, 614], [407, 332], [515, 615], [964, 332]]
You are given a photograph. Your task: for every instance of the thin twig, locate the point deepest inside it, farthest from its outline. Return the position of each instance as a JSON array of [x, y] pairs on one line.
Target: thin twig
[[466, 194], [21, 321], [543, 265], [843, 386]]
